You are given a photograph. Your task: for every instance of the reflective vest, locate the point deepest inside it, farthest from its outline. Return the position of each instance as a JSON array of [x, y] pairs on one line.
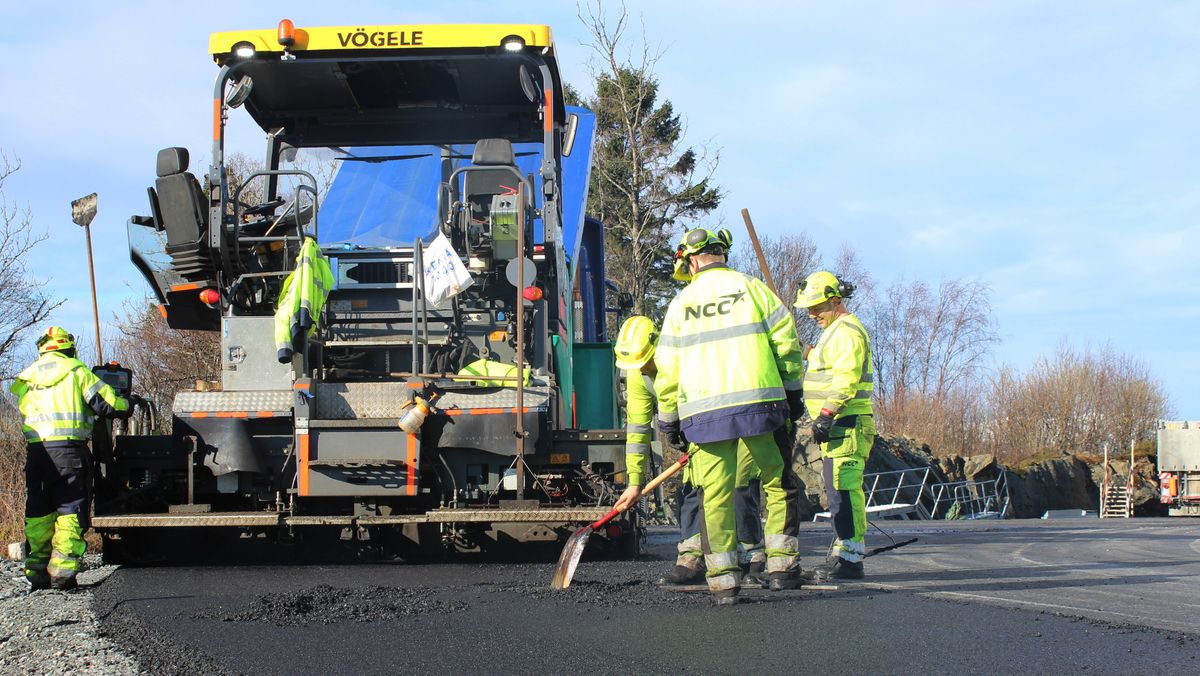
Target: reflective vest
[[840, 376], [487, 367], [59, 398], [640, 403], [727, 353], [301, 299]]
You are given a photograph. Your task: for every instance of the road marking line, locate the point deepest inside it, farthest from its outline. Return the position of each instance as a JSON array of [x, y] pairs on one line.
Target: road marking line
[[1141, 619]]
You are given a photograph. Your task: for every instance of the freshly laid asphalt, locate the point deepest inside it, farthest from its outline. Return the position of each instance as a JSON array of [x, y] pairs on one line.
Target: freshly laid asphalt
[[1071, 596]]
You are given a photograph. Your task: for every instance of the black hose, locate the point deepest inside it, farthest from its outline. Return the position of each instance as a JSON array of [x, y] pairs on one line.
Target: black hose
[[453, 483]]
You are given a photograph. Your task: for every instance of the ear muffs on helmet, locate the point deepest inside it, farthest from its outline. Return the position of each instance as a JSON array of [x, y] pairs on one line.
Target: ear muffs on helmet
[[820, 287]]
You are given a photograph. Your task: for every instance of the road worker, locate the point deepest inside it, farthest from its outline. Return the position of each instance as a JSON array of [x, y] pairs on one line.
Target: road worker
[[59, 398], [635, 346], [837, 391], [729, 375]]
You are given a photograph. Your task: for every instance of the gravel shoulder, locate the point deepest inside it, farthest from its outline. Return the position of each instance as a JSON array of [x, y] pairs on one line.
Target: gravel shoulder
[[53, 632]]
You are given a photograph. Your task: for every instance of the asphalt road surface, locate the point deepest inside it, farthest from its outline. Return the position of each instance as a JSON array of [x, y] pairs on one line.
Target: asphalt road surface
[[1052, 597]]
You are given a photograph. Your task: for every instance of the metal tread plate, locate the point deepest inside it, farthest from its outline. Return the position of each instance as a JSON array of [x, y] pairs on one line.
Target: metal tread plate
[[255, 400], [269, 519], [552, 514], [229, 519], [349, 401]]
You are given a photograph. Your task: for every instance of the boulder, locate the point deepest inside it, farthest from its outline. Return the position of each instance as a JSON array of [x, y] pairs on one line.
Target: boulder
[[1061, 483]]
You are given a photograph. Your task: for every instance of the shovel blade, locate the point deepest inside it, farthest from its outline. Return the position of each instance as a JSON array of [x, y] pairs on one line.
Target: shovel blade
[[569, 559]]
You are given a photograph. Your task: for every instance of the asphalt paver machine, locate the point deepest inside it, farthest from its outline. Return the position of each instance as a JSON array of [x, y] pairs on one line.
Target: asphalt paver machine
[[441, 135]]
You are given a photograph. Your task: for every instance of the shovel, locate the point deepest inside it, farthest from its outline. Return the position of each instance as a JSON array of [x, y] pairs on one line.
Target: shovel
[[573, 551]]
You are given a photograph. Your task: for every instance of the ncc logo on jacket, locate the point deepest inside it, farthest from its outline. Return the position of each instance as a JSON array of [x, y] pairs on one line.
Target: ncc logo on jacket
[[717, 307]]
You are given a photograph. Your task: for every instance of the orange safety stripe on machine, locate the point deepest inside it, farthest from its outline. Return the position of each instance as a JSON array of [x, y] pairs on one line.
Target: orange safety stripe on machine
[[216, 119], [302, 386], [412, 464], [482, 411], [185, 287], [549, 111], [302, 465]]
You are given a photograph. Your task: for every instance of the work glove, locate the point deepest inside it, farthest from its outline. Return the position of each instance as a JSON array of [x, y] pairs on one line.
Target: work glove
[[822, 426], [672, 437]]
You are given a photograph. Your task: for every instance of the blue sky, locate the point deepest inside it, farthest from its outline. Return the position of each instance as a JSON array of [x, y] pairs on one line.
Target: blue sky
[[1048, 149]]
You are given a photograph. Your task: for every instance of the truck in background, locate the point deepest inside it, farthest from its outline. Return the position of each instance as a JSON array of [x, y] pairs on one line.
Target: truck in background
[[1179, 466]]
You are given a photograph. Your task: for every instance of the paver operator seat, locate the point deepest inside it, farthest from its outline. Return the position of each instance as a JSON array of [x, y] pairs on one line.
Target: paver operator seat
[[184, 213], [483, 186]]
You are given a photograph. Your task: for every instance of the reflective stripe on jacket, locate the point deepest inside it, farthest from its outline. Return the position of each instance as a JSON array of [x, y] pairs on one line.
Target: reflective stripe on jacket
[[301, 299], [727, 353], [840, 376], [59, 398], [640, 404]]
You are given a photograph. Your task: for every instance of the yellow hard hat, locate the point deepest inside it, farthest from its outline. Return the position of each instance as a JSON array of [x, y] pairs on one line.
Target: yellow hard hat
[[695, 241], [55, 338], [636, 342], [818, 288], [698, 239]]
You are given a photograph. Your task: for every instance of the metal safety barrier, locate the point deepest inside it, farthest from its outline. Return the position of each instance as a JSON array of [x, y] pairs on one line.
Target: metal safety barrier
[[900, 492], [909, 494], [971, 499]]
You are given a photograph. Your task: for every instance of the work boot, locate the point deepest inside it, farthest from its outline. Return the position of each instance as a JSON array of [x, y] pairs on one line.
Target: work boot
[[754, 574], [682, 575], [63, 583], [726, 597], [38, 581], [793, 578], [837, 568]]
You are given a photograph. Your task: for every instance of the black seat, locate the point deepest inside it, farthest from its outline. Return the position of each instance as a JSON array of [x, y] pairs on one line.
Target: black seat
[[184, 211], [480, 186]]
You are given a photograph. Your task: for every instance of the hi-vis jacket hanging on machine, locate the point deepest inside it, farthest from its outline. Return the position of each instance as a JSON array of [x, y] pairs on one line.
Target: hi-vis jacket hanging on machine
[[727, 355], [301, 300]]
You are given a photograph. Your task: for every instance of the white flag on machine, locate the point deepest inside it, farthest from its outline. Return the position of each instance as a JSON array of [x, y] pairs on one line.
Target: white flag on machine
[[445, 275]]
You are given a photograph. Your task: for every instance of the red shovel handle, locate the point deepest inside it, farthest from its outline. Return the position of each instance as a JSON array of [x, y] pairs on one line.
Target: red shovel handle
[[667, 473]]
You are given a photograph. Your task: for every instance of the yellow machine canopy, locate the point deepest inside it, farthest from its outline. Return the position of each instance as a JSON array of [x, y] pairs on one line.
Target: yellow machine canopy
[[396, 85]]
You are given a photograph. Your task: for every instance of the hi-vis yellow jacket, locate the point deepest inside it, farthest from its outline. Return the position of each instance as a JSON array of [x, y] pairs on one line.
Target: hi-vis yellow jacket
[[840, 376], [727, 355], [639, 415], [60, 398], [301, 299]]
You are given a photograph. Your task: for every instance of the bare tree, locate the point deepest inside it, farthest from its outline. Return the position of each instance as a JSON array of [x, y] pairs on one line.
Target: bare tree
[[930, 341], [1074, 401], [164, 361], [847, 267], [646, 186], [790, 258], [24, 299]]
